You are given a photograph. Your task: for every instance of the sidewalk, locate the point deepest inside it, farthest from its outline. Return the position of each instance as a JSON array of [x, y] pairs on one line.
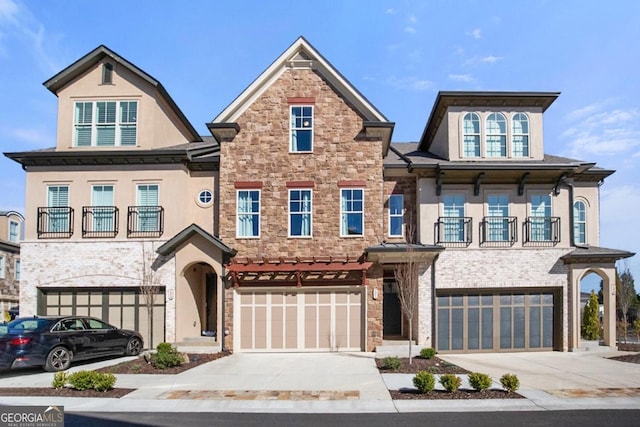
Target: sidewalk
[[346, 383]]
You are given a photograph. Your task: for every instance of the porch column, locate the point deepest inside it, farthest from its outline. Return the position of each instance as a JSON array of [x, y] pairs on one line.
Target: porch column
[[609, 302]]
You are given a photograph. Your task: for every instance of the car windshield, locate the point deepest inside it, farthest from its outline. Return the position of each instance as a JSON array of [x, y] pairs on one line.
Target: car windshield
[[25, 325]]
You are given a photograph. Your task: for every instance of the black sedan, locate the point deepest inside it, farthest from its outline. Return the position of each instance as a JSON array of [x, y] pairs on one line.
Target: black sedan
[[55, 342]]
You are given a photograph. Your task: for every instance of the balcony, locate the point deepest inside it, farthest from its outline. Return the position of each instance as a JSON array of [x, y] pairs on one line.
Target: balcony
[[55, 222], [498, 231], [145, 221], [541, 231], [99, 221], [453, 231]]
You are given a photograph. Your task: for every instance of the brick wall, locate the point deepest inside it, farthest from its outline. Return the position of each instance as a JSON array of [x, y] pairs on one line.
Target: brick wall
[[92, 264]]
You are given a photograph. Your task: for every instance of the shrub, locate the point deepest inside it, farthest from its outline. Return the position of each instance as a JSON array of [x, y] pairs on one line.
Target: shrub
[[424, 381], [510, 382], [60, 379], [590, 319], [82, 380], [391, 362], [479, 381], [85, 380], [450, 382], [428, 353], [104, 382], [166, 356]]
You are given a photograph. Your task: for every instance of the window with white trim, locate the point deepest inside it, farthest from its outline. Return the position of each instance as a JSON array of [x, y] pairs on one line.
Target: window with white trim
[[396, 215], [496, 135], [351, 212], [103, 214], [58, 204], [471, 135], [14, 231], [147, 200], [520, 135], [498, 223], [205, 197], [248, 213], [105, 123], [301, 129], [16, 275], [540, 217], [453, 218], [300, 213], [580, 222]]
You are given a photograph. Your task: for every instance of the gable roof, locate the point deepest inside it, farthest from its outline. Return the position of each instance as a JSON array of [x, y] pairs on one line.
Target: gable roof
[[88, 61], [300, 53], [186, 234], [446, 99]]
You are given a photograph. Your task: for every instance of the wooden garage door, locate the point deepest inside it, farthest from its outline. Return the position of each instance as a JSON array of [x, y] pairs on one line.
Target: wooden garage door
[[309, 320]]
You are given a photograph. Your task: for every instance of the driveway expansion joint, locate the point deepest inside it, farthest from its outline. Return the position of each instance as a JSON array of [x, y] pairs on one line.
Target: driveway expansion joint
[[262, 395]]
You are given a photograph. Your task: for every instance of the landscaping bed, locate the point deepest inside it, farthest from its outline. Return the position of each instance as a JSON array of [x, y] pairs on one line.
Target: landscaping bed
[[411, 394], [140, 365], [629, 358], [64, 392], [434, 365]]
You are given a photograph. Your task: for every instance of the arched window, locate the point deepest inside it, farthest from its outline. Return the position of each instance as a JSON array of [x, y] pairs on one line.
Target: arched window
[[471, 137], [496, 135], [520, 135], [580, 223]]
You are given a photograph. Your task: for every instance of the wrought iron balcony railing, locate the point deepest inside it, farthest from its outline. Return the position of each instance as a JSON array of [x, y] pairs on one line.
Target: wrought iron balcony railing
[[498, 231], [55, 222], [541, 231], [145, 221], [100, 221], [453, 231]]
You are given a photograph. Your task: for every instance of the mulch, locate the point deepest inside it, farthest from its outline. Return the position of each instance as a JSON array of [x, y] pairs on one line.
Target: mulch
[[411, 394], [435, 366], [629, 358], [140, 365], [64, 392]]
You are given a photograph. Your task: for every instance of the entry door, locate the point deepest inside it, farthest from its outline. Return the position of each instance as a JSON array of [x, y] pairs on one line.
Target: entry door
[[211, 307], [391, 310]]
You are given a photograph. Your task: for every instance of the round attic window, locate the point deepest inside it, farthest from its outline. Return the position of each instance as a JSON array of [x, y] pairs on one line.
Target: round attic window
[[205, 197]]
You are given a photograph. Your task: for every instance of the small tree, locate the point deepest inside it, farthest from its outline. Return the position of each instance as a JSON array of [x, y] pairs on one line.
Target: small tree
[[406, 275], [625, 296], [590, 319], [148, 288]]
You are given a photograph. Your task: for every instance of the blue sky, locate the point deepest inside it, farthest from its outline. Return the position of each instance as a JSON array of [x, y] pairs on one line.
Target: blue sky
[[399, 54]]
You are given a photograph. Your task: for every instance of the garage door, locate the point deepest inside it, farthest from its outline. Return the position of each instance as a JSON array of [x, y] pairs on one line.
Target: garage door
[[300, 320], [522, 321], [123, 308]]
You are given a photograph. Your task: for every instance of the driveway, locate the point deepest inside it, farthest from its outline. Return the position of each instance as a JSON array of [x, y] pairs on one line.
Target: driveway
[[552, 371]]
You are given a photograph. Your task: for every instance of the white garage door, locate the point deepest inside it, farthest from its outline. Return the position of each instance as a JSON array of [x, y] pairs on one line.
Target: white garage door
[[299, 320]]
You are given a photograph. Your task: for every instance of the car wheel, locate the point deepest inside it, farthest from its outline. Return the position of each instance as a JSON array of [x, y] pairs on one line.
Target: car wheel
[[58, 359], [134, 347]]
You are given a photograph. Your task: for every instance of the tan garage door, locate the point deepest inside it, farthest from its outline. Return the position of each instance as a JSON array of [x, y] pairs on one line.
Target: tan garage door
[[307, 320]]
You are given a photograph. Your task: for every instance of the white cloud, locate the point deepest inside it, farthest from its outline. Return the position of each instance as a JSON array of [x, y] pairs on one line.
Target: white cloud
[[413, 19], [410, 30], [411, 83], [390, 11], [466, 78], [475, 33], [490, 59], [33, 137], [602, 133], [17, 21]]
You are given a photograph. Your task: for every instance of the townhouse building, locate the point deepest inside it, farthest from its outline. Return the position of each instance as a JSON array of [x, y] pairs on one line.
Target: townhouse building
[[281, 230], [11, 226]]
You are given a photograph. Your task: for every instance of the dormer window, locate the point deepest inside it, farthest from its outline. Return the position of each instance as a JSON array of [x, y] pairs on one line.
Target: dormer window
[[107, 74], [301, 129], [471, 138], [105, 123], [520, 135], [496, 137]]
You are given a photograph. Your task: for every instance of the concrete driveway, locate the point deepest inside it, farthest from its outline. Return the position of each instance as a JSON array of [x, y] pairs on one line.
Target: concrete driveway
[[553, 371]]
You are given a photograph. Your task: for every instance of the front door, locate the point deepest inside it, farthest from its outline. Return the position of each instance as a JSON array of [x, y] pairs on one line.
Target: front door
[[211, 307], [391, 310]]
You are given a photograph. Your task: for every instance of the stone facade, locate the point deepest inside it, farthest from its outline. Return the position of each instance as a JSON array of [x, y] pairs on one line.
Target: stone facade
[[260, 153], [9, 286]]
